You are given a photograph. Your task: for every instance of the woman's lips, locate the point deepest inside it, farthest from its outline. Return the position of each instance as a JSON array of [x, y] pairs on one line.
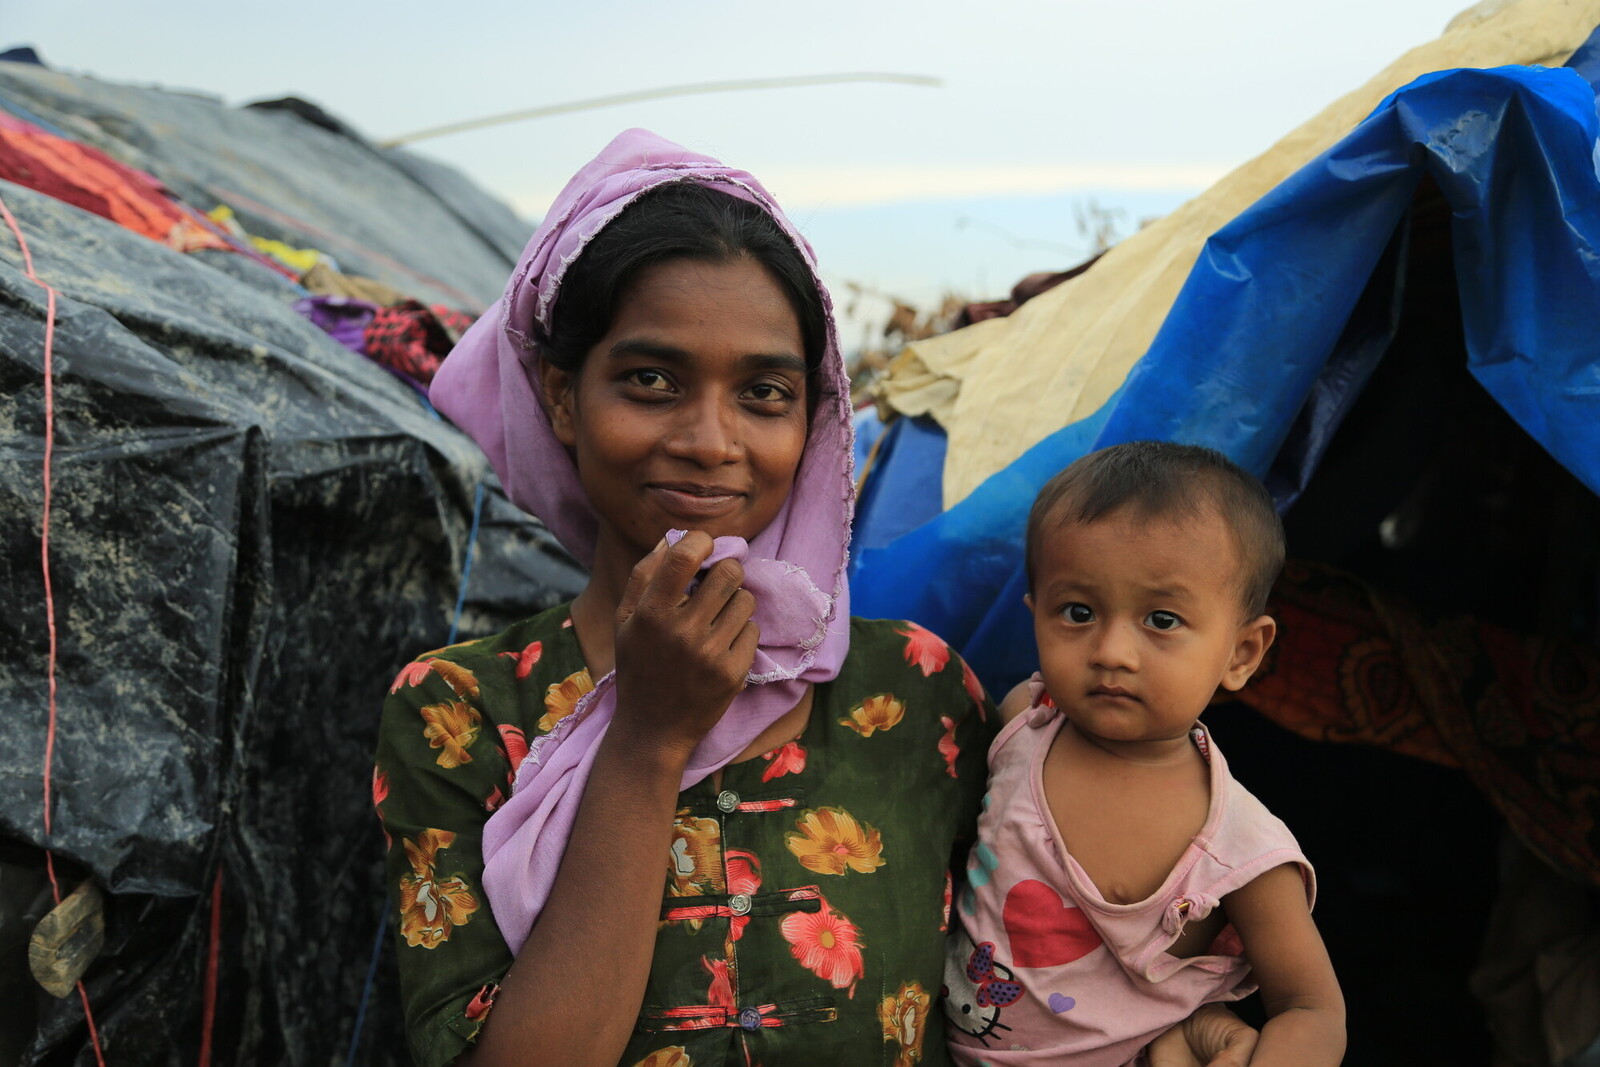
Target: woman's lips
[[696, 501]]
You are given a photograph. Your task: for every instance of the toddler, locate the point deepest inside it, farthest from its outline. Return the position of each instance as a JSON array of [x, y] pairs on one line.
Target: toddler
[[1122, 878]]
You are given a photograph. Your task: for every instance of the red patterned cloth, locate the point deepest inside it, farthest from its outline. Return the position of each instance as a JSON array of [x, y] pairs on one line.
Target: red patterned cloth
[[87, 178], [412, 340], [1519, 715]]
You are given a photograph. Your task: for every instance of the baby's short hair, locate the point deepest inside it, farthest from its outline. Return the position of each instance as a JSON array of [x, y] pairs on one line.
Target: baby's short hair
[[1163, 480]]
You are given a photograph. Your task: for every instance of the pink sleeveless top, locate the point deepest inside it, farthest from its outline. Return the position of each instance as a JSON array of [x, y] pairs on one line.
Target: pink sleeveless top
[[1046, 970]]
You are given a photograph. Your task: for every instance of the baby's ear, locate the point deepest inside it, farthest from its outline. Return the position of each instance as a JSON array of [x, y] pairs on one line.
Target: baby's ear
[[1027, 600], [1249, 647]]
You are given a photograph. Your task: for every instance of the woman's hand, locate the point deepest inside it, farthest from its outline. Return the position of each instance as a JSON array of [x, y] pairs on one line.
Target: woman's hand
[[681, 659], [1212, 1037]]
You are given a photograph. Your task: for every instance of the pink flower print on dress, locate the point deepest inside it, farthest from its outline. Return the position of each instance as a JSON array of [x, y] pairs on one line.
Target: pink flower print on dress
[[827, 944], [790, 759], [947, 745], [744, 876], [969, 679], [720, 993], [516, 745], [924, 649], [526, 658], [414, 673]]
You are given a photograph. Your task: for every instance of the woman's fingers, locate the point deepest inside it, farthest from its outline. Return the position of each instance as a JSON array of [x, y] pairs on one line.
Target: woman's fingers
[[639, 580], [736, 611]]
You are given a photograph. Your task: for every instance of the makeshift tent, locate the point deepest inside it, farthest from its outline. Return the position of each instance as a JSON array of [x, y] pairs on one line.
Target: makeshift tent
[[1001, 386], [1400, 338], [251, 529]]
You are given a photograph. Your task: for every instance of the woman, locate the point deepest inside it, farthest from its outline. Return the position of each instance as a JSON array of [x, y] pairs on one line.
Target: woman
[[664, 360]]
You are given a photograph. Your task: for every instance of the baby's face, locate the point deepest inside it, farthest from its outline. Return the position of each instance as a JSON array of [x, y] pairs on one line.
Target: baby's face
[[1138, 621]]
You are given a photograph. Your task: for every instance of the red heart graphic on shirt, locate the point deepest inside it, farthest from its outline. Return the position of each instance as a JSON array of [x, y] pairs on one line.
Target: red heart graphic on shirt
[[1044, 930]]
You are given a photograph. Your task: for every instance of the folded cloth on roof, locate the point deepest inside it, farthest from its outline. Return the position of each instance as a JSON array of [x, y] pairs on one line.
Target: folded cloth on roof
[[1520, 715], [412, 340], [341, 318], [87, 178], [325, 279], [298, 260]]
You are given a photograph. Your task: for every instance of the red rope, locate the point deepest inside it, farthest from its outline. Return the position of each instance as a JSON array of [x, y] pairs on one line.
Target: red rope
[[208, 1016], [49, 595]]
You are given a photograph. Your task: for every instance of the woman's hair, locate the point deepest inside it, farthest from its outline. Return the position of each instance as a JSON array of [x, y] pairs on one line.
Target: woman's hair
[[677, 220]]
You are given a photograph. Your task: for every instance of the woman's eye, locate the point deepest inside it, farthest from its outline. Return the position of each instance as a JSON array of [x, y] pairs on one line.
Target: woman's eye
[[1162, 620], [649, 379], [1078, 613], [768, 392]]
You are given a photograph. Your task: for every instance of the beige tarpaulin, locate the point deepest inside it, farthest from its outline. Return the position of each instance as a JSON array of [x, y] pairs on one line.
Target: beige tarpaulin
[[1000, 386]]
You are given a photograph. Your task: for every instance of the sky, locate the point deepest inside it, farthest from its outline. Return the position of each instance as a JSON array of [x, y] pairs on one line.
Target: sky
[[1125, 108]]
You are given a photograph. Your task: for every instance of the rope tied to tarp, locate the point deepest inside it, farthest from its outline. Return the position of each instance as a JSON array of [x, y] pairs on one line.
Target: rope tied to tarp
[[49, 593]]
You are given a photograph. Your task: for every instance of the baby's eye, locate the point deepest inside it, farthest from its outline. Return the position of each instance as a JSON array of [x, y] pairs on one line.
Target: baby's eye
[[1078, 613], [1162, 620], [649, 379]]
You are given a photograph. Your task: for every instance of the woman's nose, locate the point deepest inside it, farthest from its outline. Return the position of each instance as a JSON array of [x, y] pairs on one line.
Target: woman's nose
[[705, 432]]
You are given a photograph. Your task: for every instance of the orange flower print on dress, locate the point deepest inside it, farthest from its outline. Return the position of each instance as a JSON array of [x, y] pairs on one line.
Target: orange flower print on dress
[[526, 658], [694, 859], [875, 713], [516, 743], [790, 759], [744, 876], [561, 698], [924, 649], [453, 727], [947, 744], [827, 944], [463, 681], [949, 894], [411, 674], [672, 1056], [830, 840], [430, 906], [904, 1016]]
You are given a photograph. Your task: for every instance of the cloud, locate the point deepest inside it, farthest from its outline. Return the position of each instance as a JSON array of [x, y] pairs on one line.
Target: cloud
[[799, 188]]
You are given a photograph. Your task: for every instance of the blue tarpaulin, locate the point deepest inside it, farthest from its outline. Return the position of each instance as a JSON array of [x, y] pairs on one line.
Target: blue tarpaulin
[[1263, 351]]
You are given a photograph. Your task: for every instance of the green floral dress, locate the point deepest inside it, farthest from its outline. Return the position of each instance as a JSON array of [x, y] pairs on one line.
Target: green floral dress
[[803, 905]]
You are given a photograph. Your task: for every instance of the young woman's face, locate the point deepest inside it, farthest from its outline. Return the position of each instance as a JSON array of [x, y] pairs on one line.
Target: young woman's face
[[690, 413]]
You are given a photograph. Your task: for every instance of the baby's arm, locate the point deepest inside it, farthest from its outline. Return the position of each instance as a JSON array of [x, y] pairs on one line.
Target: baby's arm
[[1305, 1009], [1016, 702]]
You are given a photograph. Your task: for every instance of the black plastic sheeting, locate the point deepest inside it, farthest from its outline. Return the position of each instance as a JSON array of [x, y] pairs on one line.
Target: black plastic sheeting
[[252, 529], [385, 214]]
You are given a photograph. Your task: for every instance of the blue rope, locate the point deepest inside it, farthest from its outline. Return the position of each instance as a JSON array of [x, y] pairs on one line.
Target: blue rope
[[372, 974], [388, 900]]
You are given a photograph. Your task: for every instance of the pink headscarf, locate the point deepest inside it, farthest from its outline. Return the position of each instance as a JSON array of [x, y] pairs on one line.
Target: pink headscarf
[[795, 567]]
